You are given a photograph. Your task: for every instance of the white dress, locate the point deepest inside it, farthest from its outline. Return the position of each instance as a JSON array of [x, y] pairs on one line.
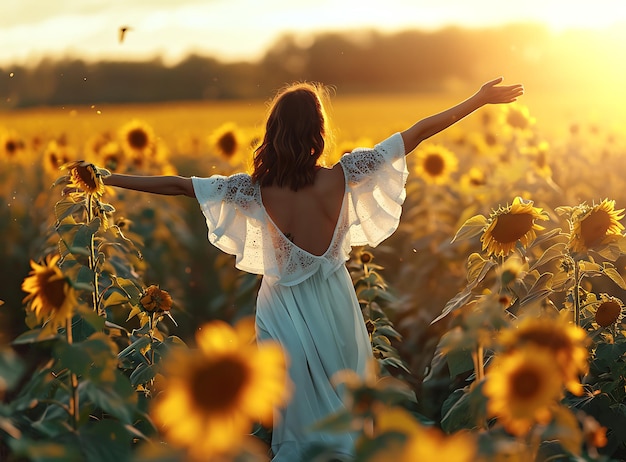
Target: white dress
[[307, 302]]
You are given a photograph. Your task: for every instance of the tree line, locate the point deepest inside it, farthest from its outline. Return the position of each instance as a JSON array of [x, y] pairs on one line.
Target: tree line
[[353, 62]]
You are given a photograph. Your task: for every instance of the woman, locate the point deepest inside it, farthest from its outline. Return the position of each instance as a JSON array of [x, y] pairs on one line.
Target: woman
[[295, 222]]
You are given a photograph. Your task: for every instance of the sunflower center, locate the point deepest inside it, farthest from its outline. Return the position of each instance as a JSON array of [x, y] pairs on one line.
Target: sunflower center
[[512, 226], [477, 181], [525, 383], [52, 292], [491, 139], [434, 165], [10, 147], [228, 144], [85, 177], [608, 313], [217, 386], [138, 138], [547, 338], [594, 227]]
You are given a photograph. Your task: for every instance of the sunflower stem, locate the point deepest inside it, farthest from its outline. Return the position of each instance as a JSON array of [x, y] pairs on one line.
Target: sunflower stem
[[73, 406], [576, 294], [478, 358], [92, 256], [151, 334]]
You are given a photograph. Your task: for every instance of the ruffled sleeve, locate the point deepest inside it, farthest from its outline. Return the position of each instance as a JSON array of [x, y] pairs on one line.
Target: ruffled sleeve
[[375, 183], [231, 206]]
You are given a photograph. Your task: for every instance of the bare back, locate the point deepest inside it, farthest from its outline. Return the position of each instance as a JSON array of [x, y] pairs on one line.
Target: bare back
[[308, 217]]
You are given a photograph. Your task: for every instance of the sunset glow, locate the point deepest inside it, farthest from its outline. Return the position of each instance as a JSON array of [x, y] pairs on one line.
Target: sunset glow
[[31, 30]]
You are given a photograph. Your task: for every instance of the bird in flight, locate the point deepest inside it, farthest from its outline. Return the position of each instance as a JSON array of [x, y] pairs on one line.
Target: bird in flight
[[122, 33]]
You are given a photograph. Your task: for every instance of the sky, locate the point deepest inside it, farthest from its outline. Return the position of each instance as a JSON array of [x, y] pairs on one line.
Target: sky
[[236, 30]]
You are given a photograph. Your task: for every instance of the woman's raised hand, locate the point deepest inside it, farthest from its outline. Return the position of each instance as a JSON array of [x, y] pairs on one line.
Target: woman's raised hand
[[493, 93]]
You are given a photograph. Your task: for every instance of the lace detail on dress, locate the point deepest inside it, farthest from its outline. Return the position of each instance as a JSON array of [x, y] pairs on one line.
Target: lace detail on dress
[[240, 190], [361, 163], [376, 179]]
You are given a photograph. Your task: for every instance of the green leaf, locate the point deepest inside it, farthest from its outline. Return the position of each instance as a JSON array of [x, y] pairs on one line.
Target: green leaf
[[11, 368], [339, 422], [388, 331], [105, 440], [615, 277], [472, 227], [129, 288], [564, 428], [117, 398], [539, 290], [143, 374], [459, 362], [84, 279], [455, 303], [477, 267], [459, 413], [552, 252], [57, 450], [106, 207], [368, 294], [61, 180], [33, 336], [66, 207], [73, 357], [81, 244], [464, 408], [91, 317], [132, 355], [115, 297]]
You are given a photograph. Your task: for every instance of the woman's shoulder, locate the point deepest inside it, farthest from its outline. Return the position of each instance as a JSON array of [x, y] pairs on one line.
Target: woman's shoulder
[[330, 178]]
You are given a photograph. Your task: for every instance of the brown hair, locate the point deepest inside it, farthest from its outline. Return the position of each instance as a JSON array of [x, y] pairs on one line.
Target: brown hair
[[294, 137]]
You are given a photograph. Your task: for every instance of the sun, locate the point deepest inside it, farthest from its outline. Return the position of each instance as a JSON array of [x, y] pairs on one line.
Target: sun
[[562, 15]]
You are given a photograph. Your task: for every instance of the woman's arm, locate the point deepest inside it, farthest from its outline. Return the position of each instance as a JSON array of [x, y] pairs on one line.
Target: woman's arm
[[489, 93], [168, 185]]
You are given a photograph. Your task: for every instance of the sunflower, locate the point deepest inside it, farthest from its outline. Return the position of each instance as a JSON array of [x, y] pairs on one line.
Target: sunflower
[[474, 178], [227, 141], [213, 395], [422, 443], [85, 176], [609, 311], [154, 299], [55, 156], [112, 157], [137, 138], [11, 144], [95, 143], [566, 342], [511, 270], [435, 163], [50, 295], [518, 117], [521, 386], [594, 225], [541, 158], [511, 224]]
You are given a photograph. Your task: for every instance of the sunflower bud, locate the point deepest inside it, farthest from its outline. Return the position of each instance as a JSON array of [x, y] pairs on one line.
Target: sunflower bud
[[155, 299]]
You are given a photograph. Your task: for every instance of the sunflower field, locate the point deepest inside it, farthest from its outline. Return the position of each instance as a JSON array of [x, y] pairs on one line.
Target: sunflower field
[[495, 312]]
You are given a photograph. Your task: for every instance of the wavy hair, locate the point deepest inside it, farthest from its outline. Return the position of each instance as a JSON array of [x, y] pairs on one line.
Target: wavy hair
[[294, 137]]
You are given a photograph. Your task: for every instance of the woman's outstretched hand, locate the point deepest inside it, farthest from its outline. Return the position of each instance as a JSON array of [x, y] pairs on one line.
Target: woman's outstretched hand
[[492, 93]]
